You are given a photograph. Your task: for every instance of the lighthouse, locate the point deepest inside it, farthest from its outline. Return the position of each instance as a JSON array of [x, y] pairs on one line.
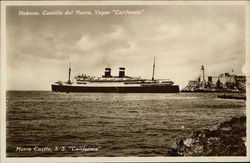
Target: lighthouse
[[203, 81]]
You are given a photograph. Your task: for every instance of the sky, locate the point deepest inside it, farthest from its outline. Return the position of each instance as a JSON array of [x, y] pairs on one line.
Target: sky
[[182, 38]]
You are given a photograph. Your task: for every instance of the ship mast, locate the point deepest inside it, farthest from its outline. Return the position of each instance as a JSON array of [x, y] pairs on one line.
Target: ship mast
[[69, 82], [153, 70]]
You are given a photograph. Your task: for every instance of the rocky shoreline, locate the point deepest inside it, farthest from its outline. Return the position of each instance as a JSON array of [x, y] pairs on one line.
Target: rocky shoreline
[[223, 139]]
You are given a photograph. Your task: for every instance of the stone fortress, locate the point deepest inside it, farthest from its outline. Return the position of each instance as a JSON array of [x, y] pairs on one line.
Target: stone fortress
[[223, 83]]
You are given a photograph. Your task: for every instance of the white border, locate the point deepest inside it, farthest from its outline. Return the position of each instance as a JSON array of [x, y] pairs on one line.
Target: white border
[[3, 83], [247, 40], [114, 159]]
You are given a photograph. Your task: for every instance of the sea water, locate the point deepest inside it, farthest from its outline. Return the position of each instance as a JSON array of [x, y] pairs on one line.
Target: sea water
[[49, 124]]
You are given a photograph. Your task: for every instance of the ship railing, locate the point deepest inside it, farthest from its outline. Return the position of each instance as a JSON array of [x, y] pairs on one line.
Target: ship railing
[[109, 80], [155, 84]]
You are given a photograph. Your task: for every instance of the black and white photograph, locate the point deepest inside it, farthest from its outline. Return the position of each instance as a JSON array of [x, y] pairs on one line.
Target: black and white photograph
[[143, 80]]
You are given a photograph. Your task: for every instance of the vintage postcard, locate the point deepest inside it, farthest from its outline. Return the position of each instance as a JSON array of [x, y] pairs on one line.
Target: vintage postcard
[[133, 81]]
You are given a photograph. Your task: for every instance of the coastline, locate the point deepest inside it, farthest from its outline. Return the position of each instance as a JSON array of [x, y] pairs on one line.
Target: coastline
[[223, 139]]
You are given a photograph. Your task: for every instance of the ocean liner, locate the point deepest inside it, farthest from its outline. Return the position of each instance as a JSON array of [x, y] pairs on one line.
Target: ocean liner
[[115, 84]]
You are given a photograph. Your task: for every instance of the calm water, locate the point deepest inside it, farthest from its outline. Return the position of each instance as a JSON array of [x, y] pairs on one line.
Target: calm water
[[108, 124]]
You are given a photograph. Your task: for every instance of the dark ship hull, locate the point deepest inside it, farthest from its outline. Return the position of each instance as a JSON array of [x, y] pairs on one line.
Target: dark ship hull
[[140, 89]]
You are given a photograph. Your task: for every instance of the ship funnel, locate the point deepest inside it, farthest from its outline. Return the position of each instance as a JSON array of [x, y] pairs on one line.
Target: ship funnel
[[107, 72], [121, 72]]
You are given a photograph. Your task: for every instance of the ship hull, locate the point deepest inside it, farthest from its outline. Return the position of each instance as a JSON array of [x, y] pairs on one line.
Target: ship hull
[[153, 89]]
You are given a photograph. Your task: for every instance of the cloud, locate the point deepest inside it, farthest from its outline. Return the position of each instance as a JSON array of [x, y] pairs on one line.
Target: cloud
[[103, 48], [181, 37], [115, 40]]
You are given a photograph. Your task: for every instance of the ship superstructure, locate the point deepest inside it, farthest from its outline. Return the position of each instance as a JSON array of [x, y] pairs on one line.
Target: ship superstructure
[[118, 84]]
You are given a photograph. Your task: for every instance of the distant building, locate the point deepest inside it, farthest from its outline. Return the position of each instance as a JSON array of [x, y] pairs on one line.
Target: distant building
[[223, 82], [194, 82], [240, 79], [227, 78]]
